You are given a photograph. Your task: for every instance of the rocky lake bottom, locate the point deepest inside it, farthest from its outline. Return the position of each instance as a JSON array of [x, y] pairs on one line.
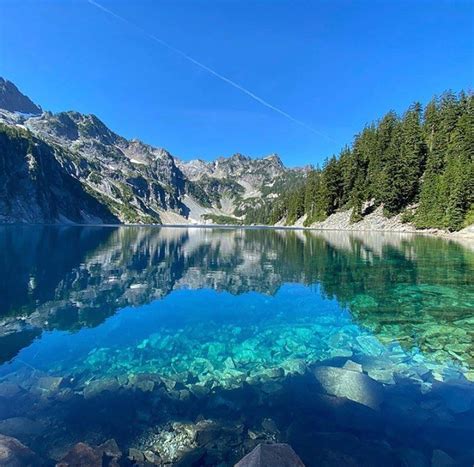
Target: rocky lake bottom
[[167, 346]]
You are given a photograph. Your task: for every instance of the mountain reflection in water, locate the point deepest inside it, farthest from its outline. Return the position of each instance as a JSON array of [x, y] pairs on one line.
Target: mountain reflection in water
[[211, 314]]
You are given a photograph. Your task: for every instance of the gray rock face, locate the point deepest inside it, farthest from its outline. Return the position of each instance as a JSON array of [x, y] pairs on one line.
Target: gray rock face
[[352, 385], [13, 100], [271, 455], [255, 172], [35, 188]]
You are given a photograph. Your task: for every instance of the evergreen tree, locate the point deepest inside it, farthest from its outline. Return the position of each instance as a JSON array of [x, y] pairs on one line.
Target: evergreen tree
[[381, 162], [424, 157], [413, 153]]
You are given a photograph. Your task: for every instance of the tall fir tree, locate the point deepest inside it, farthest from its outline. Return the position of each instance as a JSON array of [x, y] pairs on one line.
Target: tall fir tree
[[424, 158]]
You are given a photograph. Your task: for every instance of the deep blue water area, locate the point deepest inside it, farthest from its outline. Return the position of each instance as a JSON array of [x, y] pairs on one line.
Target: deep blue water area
[[190, 346]]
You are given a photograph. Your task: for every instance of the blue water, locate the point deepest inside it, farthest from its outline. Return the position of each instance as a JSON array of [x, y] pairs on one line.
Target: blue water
[[139, 333]]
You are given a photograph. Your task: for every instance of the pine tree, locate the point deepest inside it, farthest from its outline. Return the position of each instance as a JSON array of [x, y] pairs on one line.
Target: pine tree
[[413, 153], [460, 169], [425, 158]]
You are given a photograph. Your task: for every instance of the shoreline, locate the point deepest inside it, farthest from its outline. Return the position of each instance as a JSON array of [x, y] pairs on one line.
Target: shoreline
[[428, 232]]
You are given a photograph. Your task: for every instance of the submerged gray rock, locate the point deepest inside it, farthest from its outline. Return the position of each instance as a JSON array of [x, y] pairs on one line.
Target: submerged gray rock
[[271, 455], [352, 385], [81, 455]]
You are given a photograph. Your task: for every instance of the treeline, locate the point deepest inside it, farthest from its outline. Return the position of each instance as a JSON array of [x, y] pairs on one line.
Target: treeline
[[420, 164]]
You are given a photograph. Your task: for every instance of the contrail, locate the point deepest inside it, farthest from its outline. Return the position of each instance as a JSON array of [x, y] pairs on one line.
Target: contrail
[[209, 70]]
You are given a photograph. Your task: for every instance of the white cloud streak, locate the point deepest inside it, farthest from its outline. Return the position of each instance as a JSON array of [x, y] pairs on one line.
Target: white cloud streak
[[209, 70]]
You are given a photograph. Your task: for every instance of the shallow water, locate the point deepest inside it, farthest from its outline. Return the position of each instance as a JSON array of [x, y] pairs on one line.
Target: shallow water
[[357, 348]]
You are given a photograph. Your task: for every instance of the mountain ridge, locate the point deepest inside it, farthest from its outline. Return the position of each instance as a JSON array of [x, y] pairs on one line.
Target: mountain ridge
[[400, 173], [137, 182]]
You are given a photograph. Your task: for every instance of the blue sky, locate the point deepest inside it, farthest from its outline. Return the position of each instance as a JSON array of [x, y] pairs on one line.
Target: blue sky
[[334, 65]]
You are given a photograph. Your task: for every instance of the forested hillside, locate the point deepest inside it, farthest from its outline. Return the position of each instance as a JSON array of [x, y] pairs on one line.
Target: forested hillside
[[420, 164]]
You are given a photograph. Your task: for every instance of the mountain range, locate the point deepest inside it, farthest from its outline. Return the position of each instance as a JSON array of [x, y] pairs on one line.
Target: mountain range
[[69, 167]]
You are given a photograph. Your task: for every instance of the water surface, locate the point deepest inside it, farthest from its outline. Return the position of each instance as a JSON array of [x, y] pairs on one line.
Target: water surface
[[357, 348]]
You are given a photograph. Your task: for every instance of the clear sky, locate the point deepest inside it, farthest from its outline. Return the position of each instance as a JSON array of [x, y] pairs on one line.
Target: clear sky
[[334, 65]]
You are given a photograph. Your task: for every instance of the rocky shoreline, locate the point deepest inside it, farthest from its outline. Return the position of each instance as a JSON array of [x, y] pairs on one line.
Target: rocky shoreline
[[376, 221]]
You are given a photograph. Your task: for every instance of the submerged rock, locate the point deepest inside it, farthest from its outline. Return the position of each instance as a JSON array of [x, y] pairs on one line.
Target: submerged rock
[[15, 454], [9, 390], [295, 366], [143, 382], [458, 398], [20, 427], [412, 458], [271, 455], [441, 459], [352, 385], [353, 366], [94, 388], [151, 457], [81, 455], [110, 449], [49, 383], [136, 455], [382, 375]]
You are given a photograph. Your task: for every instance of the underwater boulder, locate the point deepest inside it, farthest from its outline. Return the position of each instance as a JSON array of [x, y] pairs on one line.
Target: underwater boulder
[[97, 387], [110, 449], [9, 390], [81, 455], [15, 454], [271, 455], [441, 459], [353, 366], [21, 427], [352, 385], [457, 396]]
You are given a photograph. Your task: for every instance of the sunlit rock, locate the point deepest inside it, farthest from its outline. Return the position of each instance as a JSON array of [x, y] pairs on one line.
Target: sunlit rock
[[353, 366]]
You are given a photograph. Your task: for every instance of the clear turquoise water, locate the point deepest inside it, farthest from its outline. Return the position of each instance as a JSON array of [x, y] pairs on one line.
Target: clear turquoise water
[[204, 315]]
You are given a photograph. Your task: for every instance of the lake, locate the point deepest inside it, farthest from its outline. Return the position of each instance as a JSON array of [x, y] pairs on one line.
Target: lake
[[190, 346]]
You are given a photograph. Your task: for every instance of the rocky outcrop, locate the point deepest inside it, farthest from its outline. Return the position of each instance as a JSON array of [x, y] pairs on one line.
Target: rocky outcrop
[[352, 385], [34, 187]]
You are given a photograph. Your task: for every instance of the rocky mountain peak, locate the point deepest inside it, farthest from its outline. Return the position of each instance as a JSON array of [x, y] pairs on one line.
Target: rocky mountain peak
[[131, 181], [275, 159], [13, 100]]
